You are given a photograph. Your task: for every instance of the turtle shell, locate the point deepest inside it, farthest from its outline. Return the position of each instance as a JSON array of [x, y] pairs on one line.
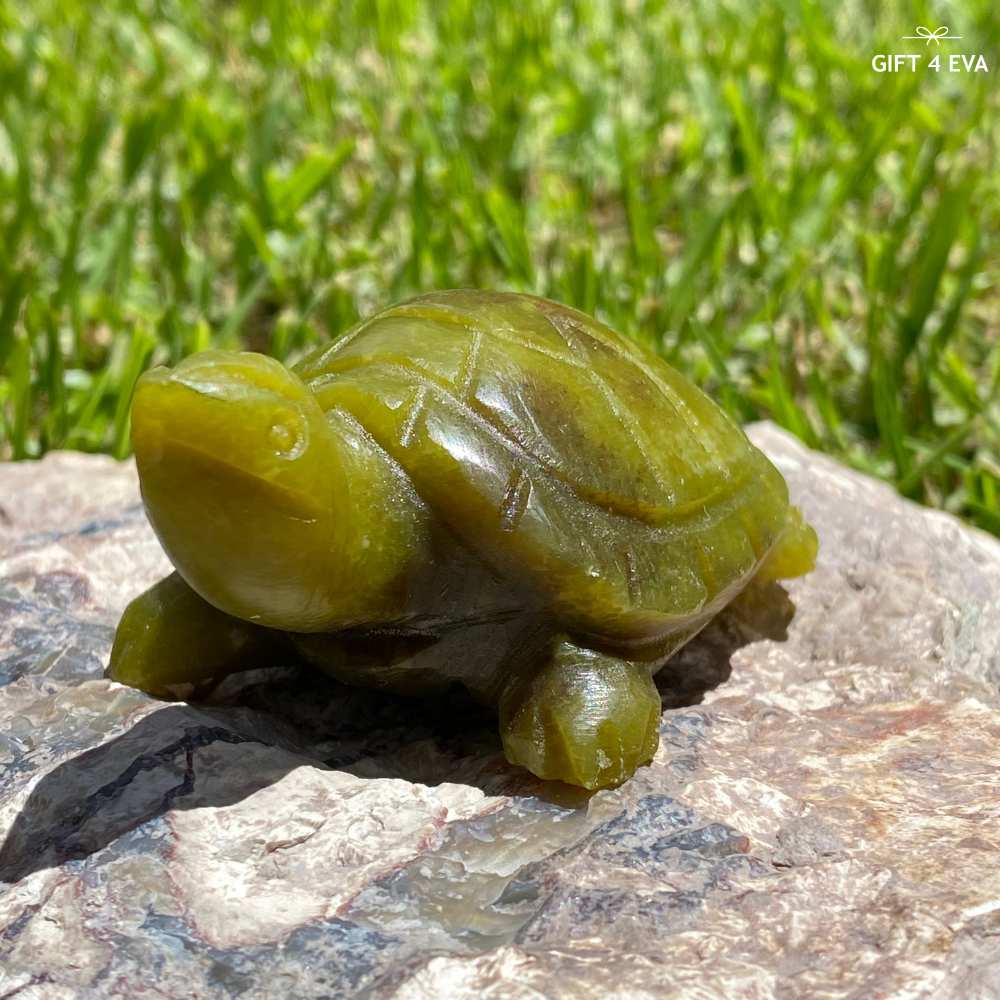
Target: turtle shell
[[570, 458]]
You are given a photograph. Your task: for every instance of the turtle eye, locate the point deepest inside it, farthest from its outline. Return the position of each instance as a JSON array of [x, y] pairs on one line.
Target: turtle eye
[[288, 436]]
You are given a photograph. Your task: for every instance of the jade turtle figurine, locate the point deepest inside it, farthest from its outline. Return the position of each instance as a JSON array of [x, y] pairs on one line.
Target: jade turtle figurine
[[473, 487]]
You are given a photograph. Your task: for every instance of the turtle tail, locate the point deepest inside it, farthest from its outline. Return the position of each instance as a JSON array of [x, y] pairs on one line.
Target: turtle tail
[[794, 552]]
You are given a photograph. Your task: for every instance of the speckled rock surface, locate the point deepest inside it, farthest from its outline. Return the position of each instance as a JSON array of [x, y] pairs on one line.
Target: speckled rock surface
[[822, 818]]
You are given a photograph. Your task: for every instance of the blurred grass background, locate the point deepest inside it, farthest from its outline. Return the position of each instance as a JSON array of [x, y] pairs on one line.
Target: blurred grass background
[[730, 182]]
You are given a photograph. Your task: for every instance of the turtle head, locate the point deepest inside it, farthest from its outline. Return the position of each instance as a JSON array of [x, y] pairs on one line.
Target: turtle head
[[239, 477]]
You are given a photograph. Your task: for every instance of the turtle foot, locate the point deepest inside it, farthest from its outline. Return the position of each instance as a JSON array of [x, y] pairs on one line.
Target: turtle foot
[[583, 717], [172, 644]]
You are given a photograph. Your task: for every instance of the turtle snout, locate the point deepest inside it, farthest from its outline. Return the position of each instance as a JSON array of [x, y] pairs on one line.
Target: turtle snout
[[242, 410], [235, 460]]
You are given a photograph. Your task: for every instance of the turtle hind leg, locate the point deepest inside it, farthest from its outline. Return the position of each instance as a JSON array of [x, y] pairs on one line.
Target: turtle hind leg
[[582, 717], [172, 644]]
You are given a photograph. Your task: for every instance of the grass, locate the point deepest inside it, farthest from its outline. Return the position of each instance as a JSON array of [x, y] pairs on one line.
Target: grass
[[730, 183]]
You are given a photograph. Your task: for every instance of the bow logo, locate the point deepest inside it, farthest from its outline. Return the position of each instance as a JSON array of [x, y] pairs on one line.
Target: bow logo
[[934, 36]]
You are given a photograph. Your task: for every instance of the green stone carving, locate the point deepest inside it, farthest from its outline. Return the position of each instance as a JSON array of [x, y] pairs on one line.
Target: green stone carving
[[473, 487]]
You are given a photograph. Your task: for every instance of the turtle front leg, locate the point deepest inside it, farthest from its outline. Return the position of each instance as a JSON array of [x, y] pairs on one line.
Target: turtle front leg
[[582, 717], [171, 643]]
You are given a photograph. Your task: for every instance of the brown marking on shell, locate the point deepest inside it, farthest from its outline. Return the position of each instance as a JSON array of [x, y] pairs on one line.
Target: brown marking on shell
[[515, 500], [632, 577]]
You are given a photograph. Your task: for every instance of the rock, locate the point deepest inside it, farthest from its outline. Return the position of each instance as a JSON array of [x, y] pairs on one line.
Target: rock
[[821, 818]]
